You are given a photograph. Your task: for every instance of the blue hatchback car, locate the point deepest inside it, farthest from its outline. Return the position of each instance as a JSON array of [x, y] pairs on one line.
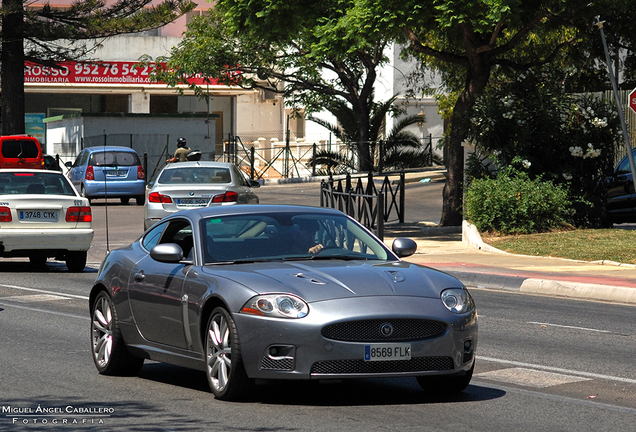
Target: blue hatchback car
[[109, 172]]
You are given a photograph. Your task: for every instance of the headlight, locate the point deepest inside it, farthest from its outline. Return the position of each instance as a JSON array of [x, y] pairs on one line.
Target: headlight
[[276, 305], [457, 300]]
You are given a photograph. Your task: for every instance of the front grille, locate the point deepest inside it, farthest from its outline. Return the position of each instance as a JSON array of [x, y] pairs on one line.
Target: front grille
[[371, 330], [418, 364]]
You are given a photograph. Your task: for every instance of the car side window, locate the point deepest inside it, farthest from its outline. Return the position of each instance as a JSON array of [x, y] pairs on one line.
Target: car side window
[[624, 168], [152, 237], [179, 231], [84, 158], [240, 177]]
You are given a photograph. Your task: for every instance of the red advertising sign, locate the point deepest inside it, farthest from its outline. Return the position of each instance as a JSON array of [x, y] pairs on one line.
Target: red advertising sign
[[104, 73], [632, 100]]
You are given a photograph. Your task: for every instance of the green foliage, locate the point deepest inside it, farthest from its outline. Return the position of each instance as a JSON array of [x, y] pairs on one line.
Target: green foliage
[[565, 138], [399, 148], [306, 50], [513, 203]]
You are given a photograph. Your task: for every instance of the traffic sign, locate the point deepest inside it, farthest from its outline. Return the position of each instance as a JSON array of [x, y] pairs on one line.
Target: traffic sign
[[632, 100]]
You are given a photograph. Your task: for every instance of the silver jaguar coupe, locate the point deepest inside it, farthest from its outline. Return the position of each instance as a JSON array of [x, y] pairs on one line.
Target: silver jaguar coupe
[[279, 292]]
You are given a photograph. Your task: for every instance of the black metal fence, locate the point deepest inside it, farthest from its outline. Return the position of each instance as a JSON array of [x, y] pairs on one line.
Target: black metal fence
[[367, 204], [285, 159]]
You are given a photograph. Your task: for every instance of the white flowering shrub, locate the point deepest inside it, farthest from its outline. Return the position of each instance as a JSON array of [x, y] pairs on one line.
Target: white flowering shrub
[[567, 139]]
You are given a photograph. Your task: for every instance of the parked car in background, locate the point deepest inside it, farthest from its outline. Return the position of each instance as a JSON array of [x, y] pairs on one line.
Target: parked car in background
[[51, 163], [42, 216], [20, 151], [268, 292], [109, 172], [621, 198], [186, 185]]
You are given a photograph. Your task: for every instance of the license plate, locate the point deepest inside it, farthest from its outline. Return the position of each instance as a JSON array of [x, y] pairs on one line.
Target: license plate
[[39, 215], [193, 202], [116, 173], [383, 352]]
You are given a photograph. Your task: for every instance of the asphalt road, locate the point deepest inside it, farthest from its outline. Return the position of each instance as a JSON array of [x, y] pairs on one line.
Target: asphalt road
[[543, 364]]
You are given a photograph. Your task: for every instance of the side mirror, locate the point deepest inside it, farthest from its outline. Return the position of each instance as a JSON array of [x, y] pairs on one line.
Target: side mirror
[[254, 184], [68, 164], [167, 253], [404, 247]]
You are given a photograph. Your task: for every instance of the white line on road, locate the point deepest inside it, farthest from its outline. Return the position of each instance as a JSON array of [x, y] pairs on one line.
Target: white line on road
[[40, 309], [587, 403], [44, 291], [560, 370], [570, 327]]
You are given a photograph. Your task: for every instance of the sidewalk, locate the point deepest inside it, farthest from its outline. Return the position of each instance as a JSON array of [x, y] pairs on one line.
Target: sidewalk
[[476, 264]]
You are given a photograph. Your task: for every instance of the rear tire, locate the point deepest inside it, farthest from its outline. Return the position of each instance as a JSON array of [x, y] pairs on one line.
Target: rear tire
[[446, 384], [124, 201], [83, 193], [141, 200], [108, 348], [76, 261]]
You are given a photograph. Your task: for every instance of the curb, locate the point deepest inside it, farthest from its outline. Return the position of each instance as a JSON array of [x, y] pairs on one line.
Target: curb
[[548, 287]]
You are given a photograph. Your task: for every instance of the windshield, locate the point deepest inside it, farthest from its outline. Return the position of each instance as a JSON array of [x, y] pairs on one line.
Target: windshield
[[46, 183], [288, 236], [195, 175], [114, 158]]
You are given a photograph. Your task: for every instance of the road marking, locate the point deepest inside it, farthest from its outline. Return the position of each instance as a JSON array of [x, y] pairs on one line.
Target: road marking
[[559, 370], [44, 291], [34, 298], [36, 309], [586, 403], [530, 377], [570, 327]]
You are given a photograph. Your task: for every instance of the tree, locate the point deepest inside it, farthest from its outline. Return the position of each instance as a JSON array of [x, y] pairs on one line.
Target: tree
[[400, 148], [465, 40], [47, 35], [295, 48]]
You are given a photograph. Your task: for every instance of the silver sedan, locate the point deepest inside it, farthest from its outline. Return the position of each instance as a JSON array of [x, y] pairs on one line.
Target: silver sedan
[[186, 185], [279, 292]]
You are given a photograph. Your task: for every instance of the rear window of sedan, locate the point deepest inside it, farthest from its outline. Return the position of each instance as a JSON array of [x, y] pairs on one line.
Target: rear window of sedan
[[34, 183], [195, 175], [114, 158]]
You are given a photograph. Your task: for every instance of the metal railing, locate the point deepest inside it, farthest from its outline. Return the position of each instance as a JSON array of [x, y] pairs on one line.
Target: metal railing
[[367, 204]]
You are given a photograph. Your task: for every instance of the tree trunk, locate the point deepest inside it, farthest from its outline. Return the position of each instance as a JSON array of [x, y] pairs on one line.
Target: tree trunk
[[12, 69], [453, 195], [364, 156]]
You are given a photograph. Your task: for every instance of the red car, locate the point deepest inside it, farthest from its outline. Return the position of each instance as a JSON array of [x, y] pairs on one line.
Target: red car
[[20, 151]]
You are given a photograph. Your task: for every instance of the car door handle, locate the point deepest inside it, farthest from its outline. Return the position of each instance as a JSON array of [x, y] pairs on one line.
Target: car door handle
[[139, 277]]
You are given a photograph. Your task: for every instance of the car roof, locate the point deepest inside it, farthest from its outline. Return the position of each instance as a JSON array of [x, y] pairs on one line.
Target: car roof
[[251, 209], [25, 170], [96, 149], [193, 164]]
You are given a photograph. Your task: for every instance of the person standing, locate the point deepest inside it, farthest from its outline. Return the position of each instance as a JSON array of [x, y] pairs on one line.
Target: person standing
[[181, 154]]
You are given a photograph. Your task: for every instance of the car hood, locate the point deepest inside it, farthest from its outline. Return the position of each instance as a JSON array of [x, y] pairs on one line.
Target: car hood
[[325, 280]]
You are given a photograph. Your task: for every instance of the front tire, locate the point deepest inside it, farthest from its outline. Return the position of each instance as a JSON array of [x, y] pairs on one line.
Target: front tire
[[109, 350], [225, 371], [141, 200], [446, 385], [76, 261]]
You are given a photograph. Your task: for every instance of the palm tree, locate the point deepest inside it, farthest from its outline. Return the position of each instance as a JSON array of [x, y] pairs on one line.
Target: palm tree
[[397, 149]]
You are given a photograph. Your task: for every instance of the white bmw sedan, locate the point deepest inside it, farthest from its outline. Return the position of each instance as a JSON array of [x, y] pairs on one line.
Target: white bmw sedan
[[42, 216], [187, 185]]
